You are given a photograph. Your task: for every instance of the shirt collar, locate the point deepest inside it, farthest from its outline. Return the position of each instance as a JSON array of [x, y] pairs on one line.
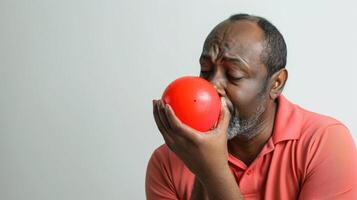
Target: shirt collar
[[288, 121]]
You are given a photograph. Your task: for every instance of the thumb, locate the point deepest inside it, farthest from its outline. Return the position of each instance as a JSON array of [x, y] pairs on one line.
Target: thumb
[[224, 117]]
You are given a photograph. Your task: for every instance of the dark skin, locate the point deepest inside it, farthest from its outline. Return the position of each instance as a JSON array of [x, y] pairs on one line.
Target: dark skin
[[231, 61]]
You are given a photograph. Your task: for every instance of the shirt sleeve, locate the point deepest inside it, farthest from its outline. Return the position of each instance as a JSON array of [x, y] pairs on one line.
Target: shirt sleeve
[[331, 171], [158, 184]]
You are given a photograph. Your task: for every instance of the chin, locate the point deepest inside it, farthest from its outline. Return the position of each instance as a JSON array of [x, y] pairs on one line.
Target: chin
[[243, 129]]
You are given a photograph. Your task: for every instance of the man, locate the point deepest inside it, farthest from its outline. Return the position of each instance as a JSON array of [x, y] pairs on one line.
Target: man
[[264, 146]]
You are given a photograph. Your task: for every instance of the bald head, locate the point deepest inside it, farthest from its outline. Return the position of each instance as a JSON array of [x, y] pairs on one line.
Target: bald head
[[255, 36]]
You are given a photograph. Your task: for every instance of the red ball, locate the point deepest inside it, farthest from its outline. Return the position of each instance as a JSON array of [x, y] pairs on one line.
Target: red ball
[[195, 102]]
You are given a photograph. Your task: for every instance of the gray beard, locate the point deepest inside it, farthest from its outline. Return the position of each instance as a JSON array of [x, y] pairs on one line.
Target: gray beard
[[246, 128]]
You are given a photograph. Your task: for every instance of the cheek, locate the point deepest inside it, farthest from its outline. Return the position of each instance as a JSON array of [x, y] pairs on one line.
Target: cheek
[[244, 97]]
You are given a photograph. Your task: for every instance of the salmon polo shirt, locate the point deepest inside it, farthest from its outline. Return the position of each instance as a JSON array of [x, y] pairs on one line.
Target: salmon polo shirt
[[308, 156]]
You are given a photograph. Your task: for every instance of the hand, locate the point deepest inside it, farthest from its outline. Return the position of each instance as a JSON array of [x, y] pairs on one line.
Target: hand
[[203, 153]]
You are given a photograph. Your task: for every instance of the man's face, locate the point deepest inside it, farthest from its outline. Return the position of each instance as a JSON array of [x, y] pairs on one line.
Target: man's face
[[231, 62]]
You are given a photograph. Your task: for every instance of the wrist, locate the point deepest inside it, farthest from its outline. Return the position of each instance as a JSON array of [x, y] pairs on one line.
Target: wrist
[[221, 184], [215, 174]]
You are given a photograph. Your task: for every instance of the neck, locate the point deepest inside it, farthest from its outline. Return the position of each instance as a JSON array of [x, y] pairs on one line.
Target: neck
[[247, 149]]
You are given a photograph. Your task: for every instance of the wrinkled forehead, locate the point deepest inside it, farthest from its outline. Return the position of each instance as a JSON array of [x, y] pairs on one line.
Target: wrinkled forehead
[[242, 37]]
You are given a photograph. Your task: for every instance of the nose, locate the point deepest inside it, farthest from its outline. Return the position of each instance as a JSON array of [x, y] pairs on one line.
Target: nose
[[218, 83], [219, 89]]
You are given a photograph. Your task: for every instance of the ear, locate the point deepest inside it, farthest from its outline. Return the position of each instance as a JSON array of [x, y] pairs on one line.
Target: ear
[[278, 80]]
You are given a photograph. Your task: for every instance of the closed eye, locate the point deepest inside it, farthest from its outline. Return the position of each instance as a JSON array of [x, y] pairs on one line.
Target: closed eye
[[234, 78]]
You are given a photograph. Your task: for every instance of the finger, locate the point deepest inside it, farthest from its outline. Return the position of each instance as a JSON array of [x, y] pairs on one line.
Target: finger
[[157, 117], [163, 117], [168, 139], [224, 117], [179, 127]]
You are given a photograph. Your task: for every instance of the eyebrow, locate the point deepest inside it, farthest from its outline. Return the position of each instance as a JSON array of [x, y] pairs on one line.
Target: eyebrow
[[237, 59]]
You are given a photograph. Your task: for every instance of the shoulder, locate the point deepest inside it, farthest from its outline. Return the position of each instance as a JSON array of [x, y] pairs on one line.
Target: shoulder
[[162, 158], [167, 177], [325, 139], [328, 155], [162, 153], [164, 161], [315, 126]]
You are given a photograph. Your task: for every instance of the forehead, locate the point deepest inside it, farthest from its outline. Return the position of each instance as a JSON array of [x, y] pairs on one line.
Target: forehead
[[243, 38]]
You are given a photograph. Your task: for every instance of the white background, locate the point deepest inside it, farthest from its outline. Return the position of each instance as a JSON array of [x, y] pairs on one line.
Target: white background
[[77, 79]]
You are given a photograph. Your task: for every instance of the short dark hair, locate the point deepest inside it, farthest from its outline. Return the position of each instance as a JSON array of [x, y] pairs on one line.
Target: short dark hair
[[275, 51]]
